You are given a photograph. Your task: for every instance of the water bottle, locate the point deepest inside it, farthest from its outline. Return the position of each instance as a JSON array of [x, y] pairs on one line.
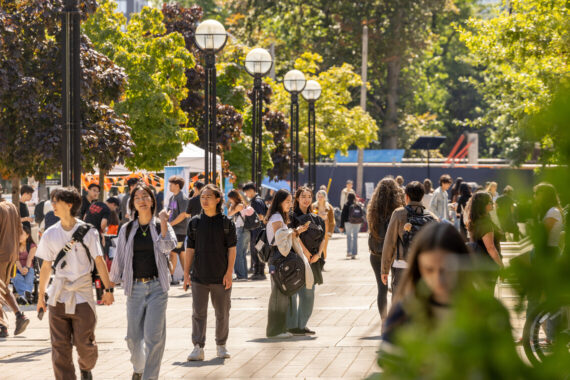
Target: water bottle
[[98, 290]]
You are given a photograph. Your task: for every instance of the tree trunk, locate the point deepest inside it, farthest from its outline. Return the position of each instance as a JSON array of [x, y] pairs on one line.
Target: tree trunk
[[16, 191], [102, 185], [390, 128]]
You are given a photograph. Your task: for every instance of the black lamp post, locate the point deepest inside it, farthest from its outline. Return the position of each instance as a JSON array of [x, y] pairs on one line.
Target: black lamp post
[[71, 139], [294, 82], [258, 62], [311, 93], [210, 38]]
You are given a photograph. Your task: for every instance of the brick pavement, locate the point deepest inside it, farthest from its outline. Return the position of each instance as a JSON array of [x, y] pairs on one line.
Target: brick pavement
[[345, 318]]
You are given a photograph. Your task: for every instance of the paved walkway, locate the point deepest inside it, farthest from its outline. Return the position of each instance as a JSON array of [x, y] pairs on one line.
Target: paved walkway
[[345, 318]]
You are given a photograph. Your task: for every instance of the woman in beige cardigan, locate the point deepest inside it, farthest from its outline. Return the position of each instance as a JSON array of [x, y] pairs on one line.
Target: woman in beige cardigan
[[324, 209]]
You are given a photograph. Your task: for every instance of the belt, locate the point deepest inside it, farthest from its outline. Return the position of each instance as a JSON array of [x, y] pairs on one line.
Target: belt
[[144, 280]]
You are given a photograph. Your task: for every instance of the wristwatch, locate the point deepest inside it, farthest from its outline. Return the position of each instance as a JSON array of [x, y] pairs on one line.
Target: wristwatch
[[109, 290]]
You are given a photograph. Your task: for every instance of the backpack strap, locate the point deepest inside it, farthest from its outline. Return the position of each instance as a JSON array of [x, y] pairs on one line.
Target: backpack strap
[[77, 237]]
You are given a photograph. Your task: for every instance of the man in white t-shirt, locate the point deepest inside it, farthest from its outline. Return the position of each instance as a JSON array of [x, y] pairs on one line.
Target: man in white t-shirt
[[71, 305]]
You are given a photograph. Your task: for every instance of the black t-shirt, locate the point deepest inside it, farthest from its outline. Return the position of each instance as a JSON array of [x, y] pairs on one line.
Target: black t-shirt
[[144, 262], [194, 206], [84, 207], [24, 213], [96, 213], [481, 228], [211, 246]]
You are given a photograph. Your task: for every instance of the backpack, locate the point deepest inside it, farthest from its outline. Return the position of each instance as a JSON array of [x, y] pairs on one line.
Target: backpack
[[288, 272], [313, 237], [193, 226], [355, 214], [250, 222], [262, 247], [77, 237], [417, 221]]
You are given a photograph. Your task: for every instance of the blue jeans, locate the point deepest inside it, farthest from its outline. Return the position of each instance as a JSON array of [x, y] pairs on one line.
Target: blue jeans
[[352, 238], [23, 284], [297, 317], [146, 327], [240, 266]]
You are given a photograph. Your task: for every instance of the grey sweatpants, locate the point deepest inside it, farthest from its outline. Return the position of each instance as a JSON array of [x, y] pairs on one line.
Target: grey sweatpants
[[221, 300]]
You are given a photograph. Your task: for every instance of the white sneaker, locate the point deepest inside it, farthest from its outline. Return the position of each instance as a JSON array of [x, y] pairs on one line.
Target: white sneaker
[[223, 352], [284, 335], [197, 354]]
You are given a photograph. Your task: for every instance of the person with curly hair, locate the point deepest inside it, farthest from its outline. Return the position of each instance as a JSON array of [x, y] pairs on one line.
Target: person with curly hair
[[386, 198]]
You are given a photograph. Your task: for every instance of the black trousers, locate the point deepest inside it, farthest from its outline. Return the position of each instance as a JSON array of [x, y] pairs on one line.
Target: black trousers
[[397, 274], [258, 266], [382, 299], [277, 311]]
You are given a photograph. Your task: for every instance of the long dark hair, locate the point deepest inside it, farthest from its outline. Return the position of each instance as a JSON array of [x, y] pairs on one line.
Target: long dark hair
[[29, 240], [236, 197], [298, 193], [278, 199], [146, 188], [350, 198], [465, 190], [386, 198], [476, 209], [434, 236], [545, 198]]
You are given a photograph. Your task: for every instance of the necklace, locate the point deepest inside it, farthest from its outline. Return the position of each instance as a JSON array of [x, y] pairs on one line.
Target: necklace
[[144, 230]]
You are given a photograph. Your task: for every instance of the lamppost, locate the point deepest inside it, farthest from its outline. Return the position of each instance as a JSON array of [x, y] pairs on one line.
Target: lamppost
[[71, 71], [210, 38], [258, 62], [311, 93], [294, 82]]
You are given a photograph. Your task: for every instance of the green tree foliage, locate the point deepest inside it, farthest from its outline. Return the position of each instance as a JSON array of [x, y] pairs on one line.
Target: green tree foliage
[[30, 94], [339, 126], [525, 51], [155, 63]]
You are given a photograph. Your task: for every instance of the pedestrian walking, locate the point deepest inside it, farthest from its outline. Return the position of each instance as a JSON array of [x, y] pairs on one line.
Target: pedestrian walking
[[72, 249], [344, 193], [125, 213], [312, 243], [26, 192], [428, 189], [92, 195], [25, 274], [385, 199], [258, 204], [282, 240], [439, 204], [10, 232], [428, 285], [351, 220], [326, 211], [177, 206], [211, 255], [492, 189], [507, 213], [141, 265], [400, 182], [404, 225], [455, 191], [464, 196], [237, 212], [194, 205]]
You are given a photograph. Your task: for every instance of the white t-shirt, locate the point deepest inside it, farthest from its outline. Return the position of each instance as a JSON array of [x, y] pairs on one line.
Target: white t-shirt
[[269, 229], [556, 231], [77, 263]]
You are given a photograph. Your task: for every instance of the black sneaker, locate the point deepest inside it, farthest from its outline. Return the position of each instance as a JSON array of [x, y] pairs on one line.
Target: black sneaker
[[3, 331], [30, 298], [297, 332], [21, 323], [308, 331], [258, 277], [86, 375], [137, 376], [174, 283]]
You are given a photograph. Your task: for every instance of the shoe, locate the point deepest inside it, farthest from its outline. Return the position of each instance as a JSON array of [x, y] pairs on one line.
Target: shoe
[[250, 270], [86, 375], [223, 352], [284, 335], [353, 257], [3, 331], [21, 323], [136, 376], [197, 354], [30, 298], [258, 277], [348, 255], [241, 279], [308, 331], [296, 332], [22, 301], [173, 283]]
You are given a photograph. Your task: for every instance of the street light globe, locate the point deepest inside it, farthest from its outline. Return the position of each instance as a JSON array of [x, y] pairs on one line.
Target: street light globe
[[258, 62], [294, 81], [210, 35], [312, 90]]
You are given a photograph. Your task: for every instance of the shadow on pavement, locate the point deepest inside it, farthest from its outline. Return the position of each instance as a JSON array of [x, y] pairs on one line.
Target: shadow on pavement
[[203, 363], [377, 337], [293, 339], [27, 357]]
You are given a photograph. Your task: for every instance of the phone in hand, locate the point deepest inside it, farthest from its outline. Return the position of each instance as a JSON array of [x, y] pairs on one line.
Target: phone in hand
[[308, 223], [41, 314]]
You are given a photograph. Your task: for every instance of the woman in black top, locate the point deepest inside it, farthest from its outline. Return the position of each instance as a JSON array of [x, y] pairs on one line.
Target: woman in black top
[[141, 264], [465, 195], [386, 198], [351, 225], [313, 243]]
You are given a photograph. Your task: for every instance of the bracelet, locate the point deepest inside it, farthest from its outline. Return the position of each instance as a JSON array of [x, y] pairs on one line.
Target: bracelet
[[109, 290]]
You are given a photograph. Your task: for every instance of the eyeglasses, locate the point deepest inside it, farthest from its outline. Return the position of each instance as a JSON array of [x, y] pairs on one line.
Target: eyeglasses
[[143, 199]]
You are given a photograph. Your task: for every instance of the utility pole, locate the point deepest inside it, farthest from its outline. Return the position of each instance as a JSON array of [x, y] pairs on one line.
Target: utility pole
[[360, 167]]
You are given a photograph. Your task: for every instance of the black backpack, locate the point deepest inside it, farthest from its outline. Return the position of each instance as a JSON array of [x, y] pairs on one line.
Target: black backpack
[[262, 247], [289, 272], [355, 214], [250, 222], [313, 237], [418, 221]]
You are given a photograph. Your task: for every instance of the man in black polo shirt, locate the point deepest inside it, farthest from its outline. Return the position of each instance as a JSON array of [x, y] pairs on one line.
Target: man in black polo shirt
[[26, 192], [260, 208], [194, 206], [211, 254]]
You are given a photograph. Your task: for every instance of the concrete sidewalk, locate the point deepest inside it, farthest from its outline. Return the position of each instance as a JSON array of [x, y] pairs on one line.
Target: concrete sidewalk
[[345, 319]]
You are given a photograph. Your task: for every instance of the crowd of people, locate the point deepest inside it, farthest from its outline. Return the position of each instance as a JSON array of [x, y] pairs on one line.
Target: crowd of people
[[137, 240]]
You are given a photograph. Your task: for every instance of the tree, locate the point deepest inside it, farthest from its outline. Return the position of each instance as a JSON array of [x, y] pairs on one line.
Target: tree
[[155, 63], [524, 51], [30, 94]]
